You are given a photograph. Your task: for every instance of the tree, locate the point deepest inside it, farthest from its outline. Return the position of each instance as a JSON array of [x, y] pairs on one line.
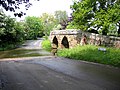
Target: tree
[[10, 31], [70, 26], [107, 17], [49, 22], [82, 14], [33, 27], [7, 29], [2, 16], [62, 18], [20, 33], [96, 14], [13, 5]]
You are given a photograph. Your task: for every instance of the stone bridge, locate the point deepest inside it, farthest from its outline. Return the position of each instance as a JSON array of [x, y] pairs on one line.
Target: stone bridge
[[71, 38], [65, 38]]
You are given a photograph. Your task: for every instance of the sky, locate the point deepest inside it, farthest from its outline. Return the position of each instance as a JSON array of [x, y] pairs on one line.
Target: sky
[[50, 6], [46, 6]]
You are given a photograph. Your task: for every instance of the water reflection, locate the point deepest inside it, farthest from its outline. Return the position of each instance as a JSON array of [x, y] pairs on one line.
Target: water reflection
[[23, 53], [30, 48]]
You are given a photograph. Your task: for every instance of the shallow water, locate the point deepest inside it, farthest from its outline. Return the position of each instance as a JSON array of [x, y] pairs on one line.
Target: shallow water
[[30, 48], [23, 53]]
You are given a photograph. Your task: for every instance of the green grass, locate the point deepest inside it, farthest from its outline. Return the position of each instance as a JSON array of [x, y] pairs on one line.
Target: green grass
[[91, 54], [88, 53], [46, 44]]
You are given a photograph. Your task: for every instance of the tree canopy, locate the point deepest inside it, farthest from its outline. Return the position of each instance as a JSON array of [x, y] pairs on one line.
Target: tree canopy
[[99, 15], [33, 27], [11, 32], [49, 22], [13, 5], [62, 18]]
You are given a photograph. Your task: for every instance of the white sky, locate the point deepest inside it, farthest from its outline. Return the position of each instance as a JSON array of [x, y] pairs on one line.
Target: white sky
[[48, 6]]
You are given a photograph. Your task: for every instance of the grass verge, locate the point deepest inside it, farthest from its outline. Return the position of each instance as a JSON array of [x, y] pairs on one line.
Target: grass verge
[[46, 44], [92, 54]]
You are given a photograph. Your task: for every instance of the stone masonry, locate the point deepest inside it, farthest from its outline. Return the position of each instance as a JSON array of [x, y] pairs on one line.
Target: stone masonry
[[71, 38]]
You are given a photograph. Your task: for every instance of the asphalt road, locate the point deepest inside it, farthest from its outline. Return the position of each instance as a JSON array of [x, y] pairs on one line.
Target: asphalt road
[[55, 73]]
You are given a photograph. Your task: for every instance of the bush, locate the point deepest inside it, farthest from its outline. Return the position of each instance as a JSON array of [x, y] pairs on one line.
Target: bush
[[71, 26], [46, 44], [91, 53]]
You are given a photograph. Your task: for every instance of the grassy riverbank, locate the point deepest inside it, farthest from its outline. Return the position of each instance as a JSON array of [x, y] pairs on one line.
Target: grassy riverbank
[[46, 45], [88, 53], [92, 54]]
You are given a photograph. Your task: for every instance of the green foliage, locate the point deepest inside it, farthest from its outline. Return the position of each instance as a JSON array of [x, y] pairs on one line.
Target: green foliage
[[49, 22], [11, 32], [33, 27], [71, 26], [46, 44], [96, 14], [14, 5], [56, 21], [6, 46], [62, 18], [91, 53], [112, 30], [58, 27]]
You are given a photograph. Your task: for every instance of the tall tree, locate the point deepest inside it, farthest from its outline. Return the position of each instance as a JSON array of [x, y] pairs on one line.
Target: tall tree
[[10, 31], [33, 27], [62, 18], [96, 14], [2, 16], [49, 22]]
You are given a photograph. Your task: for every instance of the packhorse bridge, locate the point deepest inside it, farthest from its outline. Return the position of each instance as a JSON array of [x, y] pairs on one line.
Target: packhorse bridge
[[71, 38]]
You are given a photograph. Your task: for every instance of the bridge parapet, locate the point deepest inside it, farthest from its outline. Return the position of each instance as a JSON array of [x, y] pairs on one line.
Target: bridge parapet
[[71, 38], [65, 32]]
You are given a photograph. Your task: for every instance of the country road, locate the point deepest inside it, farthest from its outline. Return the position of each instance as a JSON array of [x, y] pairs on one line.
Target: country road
[[32, 44], [56, 73]]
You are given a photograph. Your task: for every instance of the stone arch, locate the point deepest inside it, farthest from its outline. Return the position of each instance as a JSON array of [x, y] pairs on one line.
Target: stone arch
[[55, 41], [65, 42]]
